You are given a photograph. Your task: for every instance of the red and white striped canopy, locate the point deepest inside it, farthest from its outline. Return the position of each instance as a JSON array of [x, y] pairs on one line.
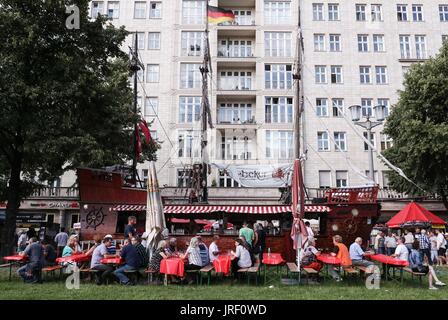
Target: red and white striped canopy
[[181, 209]]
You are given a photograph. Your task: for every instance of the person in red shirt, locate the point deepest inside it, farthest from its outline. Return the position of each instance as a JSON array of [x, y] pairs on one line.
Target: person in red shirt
[[341, 252]]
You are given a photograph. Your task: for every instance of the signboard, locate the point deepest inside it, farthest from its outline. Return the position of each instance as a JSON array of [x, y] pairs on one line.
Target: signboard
[[31, 217], [259, 176], [77, 225]]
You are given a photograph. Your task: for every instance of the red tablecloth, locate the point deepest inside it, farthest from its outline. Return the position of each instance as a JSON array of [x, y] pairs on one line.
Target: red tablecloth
[[388, 260], [17, 258], [173, 266], [78, 258], [116, 260], [272, 259], [222, 264], [328, 259]]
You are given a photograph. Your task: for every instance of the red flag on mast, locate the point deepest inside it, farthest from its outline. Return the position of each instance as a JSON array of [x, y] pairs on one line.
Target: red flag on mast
[[145, 130], [298, 206]]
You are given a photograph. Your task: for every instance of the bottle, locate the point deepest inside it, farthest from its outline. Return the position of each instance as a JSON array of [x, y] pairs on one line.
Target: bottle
[[269, 252]]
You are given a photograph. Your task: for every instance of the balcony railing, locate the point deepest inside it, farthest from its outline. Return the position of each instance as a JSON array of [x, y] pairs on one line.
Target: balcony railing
[[55, 192], [235, 84], [239, 52]]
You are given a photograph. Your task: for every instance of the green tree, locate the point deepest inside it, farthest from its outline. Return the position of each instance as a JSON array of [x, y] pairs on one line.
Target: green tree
[[418, 125], [65, 98]]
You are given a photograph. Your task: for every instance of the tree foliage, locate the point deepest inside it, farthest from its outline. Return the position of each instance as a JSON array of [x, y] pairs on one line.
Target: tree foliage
[[418, 125]]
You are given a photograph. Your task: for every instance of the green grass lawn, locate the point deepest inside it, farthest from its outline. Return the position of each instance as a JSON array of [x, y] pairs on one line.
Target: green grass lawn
[[55, 289]]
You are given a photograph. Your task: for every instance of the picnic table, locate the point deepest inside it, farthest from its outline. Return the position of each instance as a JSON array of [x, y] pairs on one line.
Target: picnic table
[[387, 262], [116, 261], [15, 260], [328, 259], [271, 260], [172, 266], [222, 264], [73, 259]]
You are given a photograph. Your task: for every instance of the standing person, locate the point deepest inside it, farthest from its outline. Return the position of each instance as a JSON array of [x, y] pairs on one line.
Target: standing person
[[379, 243], [408, 239], [341, 252], [357, 254], [441, 246], [203, 251], [132, 262], [240, 257], [416, 264], [255, 246], [142, 252], [390, 242], [194, 257], [247, 233], [309, 230], [261, 243], [425, 245], [22, 241], [129, 230], [99, 253], [214, 249], [32, 271], [61, 241], [433, 241]]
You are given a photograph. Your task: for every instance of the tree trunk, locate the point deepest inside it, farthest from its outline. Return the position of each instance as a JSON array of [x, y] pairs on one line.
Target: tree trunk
[[12, 208]]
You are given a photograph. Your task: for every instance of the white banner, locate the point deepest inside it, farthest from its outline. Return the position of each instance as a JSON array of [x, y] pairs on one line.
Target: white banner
[[259, 176]]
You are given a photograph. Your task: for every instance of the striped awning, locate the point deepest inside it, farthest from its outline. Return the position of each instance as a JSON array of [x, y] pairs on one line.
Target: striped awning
[[185, 209]]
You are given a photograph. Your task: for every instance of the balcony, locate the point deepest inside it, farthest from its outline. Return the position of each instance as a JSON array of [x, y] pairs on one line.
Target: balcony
[[236, 3], [235, 83], [55, 192]]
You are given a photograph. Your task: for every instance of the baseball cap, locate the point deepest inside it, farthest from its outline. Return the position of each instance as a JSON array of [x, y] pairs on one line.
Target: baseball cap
[[107, 236]]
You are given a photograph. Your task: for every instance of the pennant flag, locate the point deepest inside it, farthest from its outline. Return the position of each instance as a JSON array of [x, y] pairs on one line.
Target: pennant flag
[[145, 130], [219, 15]]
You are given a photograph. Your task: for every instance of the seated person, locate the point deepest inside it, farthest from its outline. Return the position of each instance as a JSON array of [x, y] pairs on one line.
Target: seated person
[[213, 250], [50, 254], [203, 251], [97, 241], [132, 262], [194, 257], [142, 252], [158, 255], [309, 257], [340, 251], [416, 264], [71, 248], [172, 246], [31, 272], [99, 253], [401, 252], [240, 258], [357, 254]]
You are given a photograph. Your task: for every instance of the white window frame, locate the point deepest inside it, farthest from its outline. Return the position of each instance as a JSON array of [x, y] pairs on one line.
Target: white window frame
[[115, 10], [278, 44], [366, 107], [151, 106], [402, 12], [155, 10], [96, 11], [336, 75], [337, 107], [421, 51], [323, 141], [378, 43], [140, 9], [376, 11], [235, 113], [341, 178], [189, 109], [189, 143], [443, 12], [363, 42], [279, 109], [277, 12], [381, 75], [322, 107], [417, 13], [154, 75], [279, 144], [335, 42], [319, 42], [193, 12], [320, 74], [192, 43], [190, 76], [360, 12], [405, 46], [154, 40], [318, 11], [365, 74], [275, 74], [333, 12], [340, 140]]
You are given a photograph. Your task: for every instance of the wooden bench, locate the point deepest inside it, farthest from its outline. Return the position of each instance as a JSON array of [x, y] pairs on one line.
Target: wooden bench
[[291, 268], [192, 272], [352, 272], [253, 272], [310, 272], [133, 275], [417, 274], [6, 265], [52, 269], [150, 274], [207, 270]]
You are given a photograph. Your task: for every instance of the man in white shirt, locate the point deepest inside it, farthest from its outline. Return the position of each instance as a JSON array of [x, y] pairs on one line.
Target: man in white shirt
[[441, 244], [408, 239], [61, 241], [309, 230], [390, 243], [213, 250], [401, 252]]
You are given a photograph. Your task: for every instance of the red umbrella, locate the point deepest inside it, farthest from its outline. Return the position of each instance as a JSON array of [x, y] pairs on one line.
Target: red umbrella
[[414, 215]]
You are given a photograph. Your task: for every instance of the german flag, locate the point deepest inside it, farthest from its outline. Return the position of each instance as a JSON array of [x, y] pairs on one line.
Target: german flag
[[219, 15]]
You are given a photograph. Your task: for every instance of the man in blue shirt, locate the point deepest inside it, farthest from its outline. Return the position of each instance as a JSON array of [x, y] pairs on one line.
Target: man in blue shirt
[[31, 272], [129, 230], [132, 262], [357, 254]]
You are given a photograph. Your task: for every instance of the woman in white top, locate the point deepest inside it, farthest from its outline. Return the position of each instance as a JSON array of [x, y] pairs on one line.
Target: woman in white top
[[194, 257], [240, 258]]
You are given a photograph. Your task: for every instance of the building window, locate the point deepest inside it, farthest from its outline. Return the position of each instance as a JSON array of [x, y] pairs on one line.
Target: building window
[[420, 47], [321, 107], [192, 43], [319, 42], [235, 113], [443, 12], [405, 46], [278, 110], [318, 11], [236, 48], [364, 75], [236, 147], [417, 12], [277, 44], [340, 141], [277, 12], [324, 179], [113, 9], [377, 12], [372, 140], [335, 43], [189, 144], [242, 18], [97, 8], [402, 12], [384, 102], [140, 40], [151, 106], [279, 144], [338, 107], [366, 107], [190, 76], [189, 109], [336, 74], [235, 80], [154, 40], [152, 73], [323, 142], [225, 181], [320, 74], [360, 12], [139, 9], [278, 76], [333, 11], [155, 10], [184, 178], [381, 74], [386, 141], [363, 43], [378, 43], [341, 179], [193, 11]]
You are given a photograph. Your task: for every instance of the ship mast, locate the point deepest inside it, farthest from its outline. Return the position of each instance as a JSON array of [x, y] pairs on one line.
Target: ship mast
[[298, 101]]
